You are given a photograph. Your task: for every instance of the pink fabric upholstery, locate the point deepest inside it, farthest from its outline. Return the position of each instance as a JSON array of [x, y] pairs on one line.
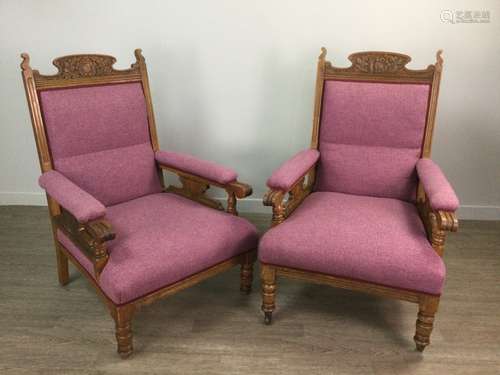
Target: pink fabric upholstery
[[384, 116], [116, 175], [79, 203], [164, 238], [99, 138], [292, 170], [84, 120], [437, 188], [364, 170], [203, 168], [379, 240], [374, 114]]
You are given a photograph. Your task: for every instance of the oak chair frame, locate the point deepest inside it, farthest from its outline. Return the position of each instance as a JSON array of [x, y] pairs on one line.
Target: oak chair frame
[[93, 69], [372, 66]]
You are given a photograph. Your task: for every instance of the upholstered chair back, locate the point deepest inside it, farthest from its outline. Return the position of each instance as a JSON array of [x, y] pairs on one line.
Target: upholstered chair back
[[371, 137], [99, 138]]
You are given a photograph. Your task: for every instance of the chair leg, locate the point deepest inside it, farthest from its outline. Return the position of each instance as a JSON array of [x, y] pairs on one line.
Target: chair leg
[[268, 277], [123, 321], [246, 275], [427, 308], [62, 266]]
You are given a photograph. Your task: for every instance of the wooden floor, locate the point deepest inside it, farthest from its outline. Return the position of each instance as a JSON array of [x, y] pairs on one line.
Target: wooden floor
[[212, 329]]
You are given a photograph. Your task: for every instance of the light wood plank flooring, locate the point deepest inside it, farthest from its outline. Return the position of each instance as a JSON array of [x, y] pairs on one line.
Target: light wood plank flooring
[[212, 329]]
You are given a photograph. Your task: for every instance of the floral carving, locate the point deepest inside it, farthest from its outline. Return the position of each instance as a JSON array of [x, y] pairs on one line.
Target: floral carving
[[79, 66], [76, 70], [378, 62]]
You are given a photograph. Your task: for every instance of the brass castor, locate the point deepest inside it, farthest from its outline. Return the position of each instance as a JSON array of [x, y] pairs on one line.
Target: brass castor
[[125, 355], [268, 317], [420, 347], [246, 289]]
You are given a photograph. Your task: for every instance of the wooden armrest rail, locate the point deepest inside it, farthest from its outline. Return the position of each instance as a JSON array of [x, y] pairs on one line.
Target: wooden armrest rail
[[436, 223], [298, 192], [90, 237], [194, 188]]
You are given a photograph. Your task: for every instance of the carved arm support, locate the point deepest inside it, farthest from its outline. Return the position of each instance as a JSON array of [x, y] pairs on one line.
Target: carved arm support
[[290, 179], [90, 237], [196, 176], [81, 218], [436, 203], [436, 223]]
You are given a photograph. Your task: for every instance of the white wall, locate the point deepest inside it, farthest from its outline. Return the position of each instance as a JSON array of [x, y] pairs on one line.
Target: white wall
[[233, 81]]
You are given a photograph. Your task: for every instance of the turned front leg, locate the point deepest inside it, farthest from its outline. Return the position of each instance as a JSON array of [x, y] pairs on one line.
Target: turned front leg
[[427, 309], [123, 321], [268, 277], [246, 274]]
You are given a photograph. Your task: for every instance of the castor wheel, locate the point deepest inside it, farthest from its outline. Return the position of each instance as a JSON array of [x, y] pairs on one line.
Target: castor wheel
[[268, 317], [245, 290]]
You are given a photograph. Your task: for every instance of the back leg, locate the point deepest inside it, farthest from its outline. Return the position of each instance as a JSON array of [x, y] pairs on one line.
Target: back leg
[[62, 266], [246, 274]]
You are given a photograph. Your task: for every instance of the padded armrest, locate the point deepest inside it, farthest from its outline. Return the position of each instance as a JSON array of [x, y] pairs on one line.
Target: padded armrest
[[202, 168], [441, 195], [83, 206], [292, 170]]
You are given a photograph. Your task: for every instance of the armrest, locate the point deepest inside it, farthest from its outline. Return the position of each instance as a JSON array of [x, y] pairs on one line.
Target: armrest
[[439, 192], [76, 201], [81, 218], [437, 204], [196, 175], [202, 168], [289, 179], [292, 170]]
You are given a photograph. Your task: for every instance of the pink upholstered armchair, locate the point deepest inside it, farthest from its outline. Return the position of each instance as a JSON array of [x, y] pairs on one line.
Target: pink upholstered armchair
[[135, 240], [365, 208]]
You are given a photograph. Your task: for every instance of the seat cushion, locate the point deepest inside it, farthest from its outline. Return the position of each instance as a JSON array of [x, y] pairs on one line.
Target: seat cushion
[[379, 240], [164, 238]]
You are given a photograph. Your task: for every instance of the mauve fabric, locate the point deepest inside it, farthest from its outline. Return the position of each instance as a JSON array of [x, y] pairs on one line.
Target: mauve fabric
[[99, 139], [437, 188], [385, 116], [83, 120], [290, 171], [191, 164], [114, 176], [374, 114], [164, 238], [83, 206], [379, 240], [364, 170]]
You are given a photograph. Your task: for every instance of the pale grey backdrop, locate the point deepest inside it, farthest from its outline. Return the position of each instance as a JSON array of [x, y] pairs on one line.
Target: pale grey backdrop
[[232, 81]]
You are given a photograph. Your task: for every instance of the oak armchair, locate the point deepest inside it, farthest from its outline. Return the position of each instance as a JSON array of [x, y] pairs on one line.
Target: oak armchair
[[133, 238], [365, 208]]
